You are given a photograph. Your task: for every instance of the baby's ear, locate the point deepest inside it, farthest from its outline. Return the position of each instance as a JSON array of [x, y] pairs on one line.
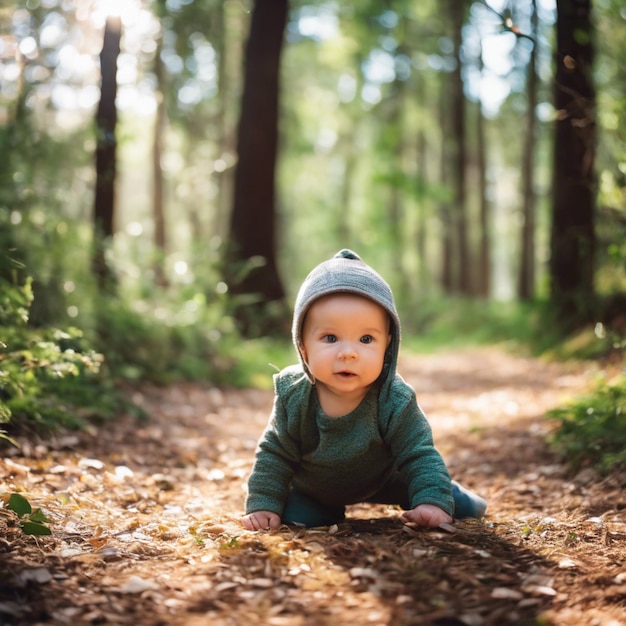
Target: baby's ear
[[388, 340]]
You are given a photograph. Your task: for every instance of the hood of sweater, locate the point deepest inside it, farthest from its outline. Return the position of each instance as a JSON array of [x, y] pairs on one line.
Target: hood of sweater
[[347, 273]]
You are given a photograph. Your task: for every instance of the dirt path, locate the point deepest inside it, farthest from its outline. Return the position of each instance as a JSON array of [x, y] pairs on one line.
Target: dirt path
[[146, 531]]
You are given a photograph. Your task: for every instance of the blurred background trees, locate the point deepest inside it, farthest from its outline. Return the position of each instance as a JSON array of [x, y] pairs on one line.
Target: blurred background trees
[[473, 152]]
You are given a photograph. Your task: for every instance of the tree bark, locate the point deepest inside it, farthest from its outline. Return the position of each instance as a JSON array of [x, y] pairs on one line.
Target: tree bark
[[573, 201], [484, 280], [445, 209], [106, 149], [421, 236], [459, 152], [158, 199], [252, 269], [526, 284]]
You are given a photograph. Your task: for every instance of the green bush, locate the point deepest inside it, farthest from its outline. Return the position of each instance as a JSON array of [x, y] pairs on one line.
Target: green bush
[[462, 322], [147, 341], [592, 429], [48, 377]]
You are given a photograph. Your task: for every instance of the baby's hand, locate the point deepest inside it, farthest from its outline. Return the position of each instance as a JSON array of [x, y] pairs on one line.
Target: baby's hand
[[427, 515], [261, 520]]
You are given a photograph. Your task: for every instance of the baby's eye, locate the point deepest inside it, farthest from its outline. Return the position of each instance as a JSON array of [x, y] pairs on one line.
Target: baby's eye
[[329, 338], [367, 339]]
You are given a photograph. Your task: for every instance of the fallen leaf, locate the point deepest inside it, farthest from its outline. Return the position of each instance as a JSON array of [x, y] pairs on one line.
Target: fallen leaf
[[264, 583], [364, 572], [539, 590], [504, 593], [122, 472], [136, 584], [39, 575], [98, 542], [449, 528], [91, 464], [16, 468]]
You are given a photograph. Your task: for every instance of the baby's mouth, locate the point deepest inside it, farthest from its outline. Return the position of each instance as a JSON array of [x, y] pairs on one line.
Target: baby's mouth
[[346, 374]]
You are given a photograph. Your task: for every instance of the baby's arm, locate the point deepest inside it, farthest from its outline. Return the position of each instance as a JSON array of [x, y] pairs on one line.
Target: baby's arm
[[261, 520], [427, 515], [277, 456]]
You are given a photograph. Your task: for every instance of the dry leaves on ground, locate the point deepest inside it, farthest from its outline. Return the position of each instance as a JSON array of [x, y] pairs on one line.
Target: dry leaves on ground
[[145, 519]]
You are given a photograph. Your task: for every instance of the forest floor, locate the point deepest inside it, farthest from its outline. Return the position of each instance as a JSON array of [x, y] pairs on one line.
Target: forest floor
[[145, 518]]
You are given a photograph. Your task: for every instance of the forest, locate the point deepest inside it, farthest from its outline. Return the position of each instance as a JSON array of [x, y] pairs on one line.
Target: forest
[[171, 170]]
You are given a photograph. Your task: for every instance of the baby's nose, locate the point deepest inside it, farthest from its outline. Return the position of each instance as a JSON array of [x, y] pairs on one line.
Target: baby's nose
[[347, 352]]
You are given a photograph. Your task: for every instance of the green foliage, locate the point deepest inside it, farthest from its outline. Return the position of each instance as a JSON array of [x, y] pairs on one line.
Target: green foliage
[[592, 429], [15, 301], [254, 362], [48, 377], [160, 341], [448, 323], [147, 342], [457, 322], [44, 383], [32, 522]]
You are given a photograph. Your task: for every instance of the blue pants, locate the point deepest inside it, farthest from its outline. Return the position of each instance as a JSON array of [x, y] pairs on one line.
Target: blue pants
[[305, 510]]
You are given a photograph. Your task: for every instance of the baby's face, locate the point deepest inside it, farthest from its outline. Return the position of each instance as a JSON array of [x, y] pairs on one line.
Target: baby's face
[[344, 339]]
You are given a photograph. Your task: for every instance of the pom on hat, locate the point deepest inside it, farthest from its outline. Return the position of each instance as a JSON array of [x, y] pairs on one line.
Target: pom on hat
[[347, 254]]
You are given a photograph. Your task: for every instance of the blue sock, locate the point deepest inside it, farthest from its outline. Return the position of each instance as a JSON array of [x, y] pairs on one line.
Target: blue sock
[[467, 503]]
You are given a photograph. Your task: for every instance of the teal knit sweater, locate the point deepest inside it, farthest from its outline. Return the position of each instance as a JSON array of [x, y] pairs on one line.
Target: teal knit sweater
[[344, 460]]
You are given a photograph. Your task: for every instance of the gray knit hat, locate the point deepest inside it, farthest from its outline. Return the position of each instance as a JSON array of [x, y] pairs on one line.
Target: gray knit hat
[[345, 273]]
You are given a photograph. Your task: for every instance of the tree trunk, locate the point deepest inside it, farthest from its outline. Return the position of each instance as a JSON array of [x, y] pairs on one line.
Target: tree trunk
[[397, 219], [106, 121], [526, 285], [158, 201], [421, 236], [229, 63], [484, 280], [459, 151], [573, 201], [251, 259], [445, 209]]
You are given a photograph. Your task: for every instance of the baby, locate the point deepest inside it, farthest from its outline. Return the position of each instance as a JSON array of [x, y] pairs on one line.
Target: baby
[[345, 426]]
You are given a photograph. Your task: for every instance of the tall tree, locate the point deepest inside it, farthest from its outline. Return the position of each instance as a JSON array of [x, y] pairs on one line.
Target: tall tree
[[158, 199], [252, 269], [446, 207], [526, 280], [458, 147], [421, 236], [573, 200], [106, 149], [228, 24], [483, 280]]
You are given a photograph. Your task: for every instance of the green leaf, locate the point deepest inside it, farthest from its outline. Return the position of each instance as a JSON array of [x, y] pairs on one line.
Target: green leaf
[[38, 516], [19, 504], [3, 433], [35, 528]]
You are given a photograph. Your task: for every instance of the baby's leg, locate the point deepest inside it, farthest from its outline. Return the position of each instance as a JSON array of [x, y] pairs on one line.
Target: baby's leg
[[306, 511], [394, 491], [467, 503]]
